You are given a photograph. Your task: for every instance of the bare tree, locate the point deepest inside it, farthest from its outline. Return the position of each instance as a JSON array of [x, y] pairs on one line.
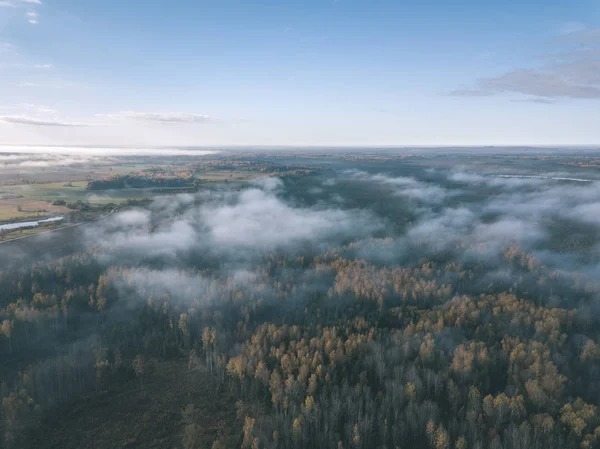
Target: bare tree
[[138, 367]]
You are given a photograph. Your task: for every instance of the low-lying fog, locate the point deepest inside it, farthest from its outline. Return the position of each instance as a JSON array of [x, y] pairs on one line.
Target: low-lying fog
[[461, 216]]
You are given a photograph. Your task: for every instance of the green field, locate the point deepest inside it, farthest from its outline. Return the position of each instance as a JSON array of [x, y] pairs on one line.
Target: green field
[[31, 201], [76, 191], [35, 200], [234, 176]]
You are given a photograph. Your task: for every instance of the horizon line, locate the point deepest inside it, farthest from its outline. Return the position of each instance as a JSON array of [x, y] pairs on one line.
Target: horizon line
[[311, 146]]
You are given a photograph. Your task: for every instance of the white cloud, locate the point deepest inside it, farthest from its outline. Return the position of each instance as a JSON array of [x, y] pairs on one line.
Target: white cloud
[[31, 14], [32, 17], [33, 121], [574, 74], [534, 100], [269, 183], [27, 84], [132, 218], [10, 161], [6, 47], [12, 4], [27, 108], [571, 27], [404, 186], [559, 81], [444, 228], [470, 93], [241, 225], [101, 151], [589, 213], [262, 220], [43, 66], [39, 108], [158, 117]]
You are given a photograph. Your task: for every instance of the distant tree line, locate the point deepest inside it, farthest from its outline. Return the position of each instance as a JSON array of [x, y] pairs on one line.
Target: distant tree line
[[139, 181]]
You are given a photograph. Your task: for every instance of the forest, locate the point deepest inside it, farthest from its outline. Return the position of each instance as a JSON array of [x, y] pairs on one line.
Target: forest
[[362, 301], [135, 181]]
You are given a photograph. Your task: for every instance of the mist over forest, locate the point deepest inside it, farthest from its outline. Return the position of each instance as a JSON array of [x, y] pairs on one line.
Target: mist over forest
[[361, 299]]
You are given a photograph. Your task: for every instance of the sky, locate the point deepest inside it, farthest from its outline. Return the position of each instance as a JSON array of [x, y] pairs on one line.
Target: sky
[[299, 72]]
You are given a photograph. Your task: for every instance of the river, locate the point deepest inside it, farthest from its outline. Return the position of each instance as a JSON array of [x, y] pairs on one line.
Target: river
[[28, 224]]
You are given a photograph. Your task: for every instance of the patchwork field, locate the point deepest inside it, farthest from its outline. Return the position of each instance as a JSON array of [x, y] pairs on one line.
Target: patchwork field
[[24, 201]]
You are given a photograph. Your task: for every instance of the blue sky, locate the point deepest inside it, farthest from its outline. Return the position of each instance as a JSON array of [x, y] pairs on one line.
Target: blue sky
[[312, 72]]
